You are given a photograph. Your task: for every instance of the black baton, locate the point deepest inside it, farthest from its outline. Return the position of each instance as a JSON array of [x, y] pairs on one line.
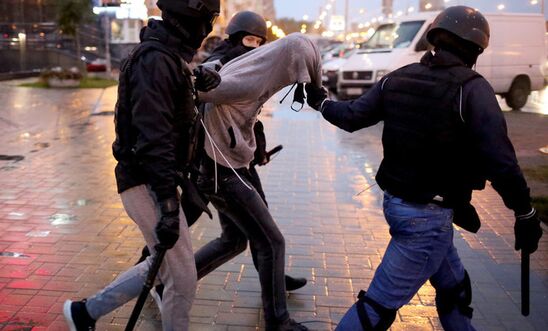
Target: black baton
[[149, 282], [269, 154], [524, 283]]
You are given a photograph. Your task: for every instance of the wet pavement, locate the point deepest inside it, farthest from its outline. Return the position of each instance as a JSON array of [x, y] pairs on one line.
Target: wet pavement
[[64, 233]]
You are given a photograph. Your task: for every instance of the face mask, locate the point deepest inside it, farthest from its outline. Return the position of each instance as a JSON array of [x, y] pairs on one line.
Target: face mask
[[198, 31], [193, 30], [251, 41]]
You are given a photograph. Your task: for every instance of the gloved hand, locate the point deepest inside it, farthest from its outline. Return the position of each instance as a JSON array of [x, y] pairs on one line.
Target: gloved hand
[[207, 78], [315, 95], [167, 229], [527, 232]]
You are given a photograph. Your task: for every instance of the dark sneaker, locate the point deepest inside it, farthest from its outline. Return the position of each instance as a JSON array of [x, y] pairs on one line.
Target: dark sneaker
[[288, 325], [77, 316], [156, 293], [292, 284]]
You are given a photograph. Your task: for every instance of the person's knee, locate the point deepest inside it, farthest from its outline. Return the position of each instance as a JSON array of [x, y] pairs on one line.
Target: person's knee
[[385, 315], [239, 245], [277, 241], [459, 296]]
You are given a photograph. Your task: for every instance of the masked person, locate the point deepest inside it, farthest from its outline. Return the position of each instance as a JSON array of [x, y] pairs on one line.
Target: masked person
[[444, 135], [154, 111], [230, 115], [246, 31]]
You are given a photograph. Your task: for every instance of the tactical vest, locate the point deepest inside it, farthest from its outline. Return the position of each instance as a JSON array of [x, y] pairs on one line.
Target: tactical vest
[[426, 146]]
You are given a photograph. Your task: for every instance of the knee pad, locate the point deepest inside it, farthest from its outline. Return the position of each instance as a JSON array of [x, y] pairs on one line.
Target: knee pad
[[386, 316], [459, 296]]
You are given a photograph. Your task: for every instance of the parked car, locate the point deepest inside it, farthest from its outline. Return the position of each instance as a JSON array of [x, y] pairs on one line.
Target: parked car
[[513, 63], [330, 70], [337, 51], [97, 65]]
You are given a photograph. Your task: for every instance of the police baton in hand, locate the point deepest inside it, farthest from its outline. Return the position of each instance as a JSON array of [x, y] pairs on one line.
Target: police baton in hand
[[269, 154], [524, 283], [149, 282]]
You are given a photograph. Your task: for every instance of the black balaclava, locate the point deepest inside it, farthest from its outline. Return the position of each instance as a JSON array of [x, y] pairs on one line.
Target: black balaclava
[[236, 39], [193, 30], [465, 50]]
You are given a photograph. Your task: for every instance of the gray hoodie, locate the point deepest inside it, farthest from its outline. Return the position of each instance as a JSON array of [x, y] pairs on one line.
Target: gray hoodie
[[247, 83]]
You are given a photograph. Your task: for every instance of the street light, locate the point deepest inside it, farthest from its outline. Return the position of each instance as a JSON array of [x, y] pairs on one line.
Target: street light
[[535, 2], [501, 7]]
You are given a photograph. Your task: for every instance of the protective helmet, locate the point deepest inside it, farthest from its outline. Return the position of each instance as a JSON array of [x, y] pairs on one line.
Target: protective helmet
[[248, 22], [464, 22], [208, 9]]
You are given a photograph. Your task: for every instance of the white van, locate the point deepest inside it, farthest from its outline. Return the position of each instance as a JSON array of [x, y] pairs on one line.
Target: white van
[[513, 62]]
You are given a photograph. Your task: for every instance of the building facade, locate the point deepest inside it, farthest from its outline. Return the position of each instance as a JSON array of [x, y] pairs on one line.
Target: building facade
[[262, 7], [228, 9]]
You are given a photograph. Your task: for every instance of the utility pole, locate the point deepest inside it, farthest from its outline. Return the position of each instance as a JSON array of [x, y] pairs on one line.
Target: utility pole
[[345, 19], [106, 27], [387, 6]]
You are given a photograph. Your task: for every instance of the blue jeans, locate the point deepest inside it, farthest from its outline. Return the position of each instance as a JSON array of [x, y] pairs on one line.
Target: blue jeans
[[421, 248]]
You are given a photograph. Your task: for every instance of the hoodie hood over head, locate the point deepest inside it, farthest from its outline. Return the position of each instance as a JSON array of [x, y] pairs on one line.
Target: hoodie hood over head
[[248, 82]]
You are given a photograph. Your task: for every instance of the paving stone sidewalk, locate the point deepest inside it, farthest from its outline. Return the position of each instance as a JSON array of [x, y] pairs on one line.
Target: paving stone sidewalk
[[61, 216]]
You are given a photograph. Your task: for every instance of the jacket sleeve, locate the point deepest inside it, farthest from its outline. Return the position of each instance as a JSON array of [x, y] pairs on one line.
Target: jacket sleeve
[[356, 114], [154, 82], [485, 121]]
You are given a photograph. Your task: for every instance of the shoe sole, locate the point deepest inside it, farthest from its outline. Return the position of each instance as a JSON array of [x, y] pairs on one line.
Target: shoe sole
[[68, 315]]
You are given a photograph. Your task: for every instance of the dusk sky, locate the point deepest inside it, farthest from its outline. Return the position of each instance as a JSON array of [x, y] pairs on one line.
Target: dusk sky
[[297, 8]]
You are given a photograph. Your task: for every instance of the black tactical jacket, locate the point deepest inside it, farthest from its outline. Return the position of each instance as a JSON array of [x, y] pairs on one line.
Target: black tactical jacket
[[155, 107], [438, 140]]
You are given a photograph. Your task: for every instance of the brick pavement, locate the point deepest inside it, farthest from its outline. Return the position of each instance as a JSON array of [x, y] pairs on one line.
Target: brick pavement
[[60, 210]]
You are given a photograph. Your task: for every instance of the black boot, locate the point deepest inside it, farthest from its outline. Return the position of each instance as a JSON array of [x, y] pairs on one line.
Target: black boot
[[288, 325], [292, 284]]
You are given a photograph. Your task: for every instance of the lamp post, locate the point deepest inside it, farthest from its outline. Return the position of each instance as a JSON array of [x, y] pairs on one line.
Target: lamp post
[[106, 27], [345, 19]]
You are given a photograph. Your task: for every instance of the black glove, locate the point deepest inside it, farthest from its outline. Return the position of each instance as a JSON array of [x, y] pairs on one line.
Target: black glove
[[167, 229], [207, 78], [315, 95], [527, 232], [261, 157]]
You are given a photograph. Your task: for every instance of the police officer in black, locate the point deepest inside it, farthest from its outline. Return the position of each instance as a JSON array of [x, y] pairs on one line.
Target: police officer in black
[[444, 135], [154, 114], [246, 31]]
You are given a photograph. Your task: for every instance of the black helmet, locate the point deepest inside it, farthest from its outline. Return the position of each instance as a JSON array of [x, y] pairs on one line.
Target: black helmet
[[208, 9], [464, 22], [248, 22]]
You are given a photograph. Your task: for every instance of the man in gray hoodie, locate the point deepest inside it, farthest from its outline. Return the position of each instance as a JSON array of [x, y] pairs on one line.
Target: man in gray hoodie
[[230, 145]]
